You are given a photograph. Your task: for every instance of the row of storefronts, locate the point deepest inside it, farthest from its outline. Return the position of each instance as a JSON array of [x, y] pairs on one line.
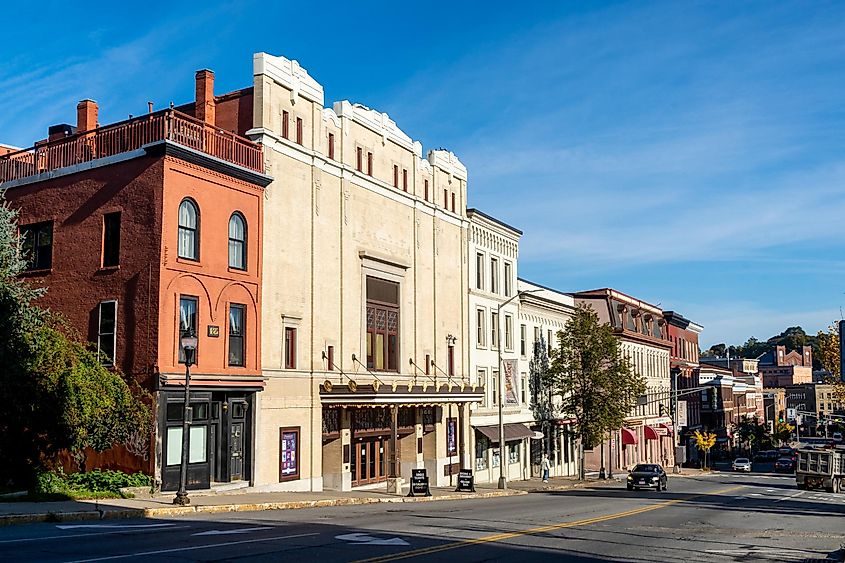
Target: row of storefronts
[[355, 320]]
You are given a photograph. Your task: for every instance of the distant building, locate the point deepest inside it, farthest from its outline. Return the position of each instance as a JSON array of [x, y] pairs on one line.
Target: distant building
[[782, 369], [774, 405], [646, 435]]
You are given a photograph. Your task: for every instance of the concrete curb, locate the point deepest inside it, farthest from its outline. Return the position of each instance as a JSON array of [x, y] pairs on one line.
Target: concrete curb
[[171, 511]]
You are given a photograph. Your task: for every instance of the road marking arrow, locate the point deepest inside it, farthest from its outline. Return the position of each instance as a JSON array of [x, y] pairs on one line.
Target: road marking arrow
[[238, 531], [364, 539]]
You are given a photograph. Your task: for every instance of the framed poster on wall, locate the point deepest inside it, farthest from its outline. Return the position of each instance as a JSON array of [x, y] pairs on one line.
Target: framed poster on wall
[[451, 437], [289, 453]]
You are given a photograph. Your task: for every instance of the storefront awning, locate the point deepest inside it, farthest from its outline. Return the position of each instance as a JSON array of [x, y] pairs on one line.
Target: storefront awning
[[512, 432], [374, 394], [629, 437], [654, 432], [668, 428]]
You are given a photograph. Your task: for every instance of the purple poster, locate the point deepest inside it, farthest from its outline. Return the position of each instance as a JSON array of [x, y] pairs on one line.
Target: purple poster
[[288, 447]]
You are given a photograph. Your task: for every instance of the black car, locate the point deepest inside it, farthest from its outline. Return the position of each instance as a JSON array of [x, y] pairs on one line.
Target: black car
[[647, 475], [785, 465]]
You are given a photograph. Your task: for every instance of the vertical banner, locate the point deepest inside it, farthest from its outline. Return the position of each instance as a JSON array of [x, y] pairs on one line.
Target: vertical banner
[[841, 348], [510, 381], [682, 414]]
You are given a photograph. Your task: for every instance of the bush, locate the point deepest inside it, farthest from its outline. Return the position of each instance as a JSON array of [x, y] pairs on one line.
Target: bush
[[51, 485]]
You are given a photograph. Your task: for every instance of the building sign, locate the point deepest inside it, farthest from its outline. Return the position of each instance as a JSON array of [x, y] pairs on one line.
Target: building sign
[[510, 381], [419, 483], [791, 414], [451, 437], [682, 414], [466, 482], [213, 331], [288, 454]]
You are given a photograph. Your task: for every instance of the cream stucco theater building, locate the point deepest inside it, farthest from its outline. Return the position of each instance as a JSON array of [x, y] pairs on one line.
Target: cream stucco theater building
[[364, 295]]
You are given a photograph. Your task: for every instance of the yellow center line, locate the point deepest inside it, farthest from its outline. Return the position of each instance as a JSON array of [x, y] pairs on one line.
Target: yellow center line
[[540, 529]]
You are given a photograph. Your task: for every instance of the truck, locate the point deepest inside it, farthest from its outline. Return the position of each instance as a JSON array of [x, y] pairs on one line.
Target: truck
[[821, 467]]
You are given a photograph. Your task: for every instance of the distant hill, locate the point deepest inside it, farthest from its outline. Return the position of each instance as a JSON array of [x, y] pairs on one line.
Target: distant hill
[[793, 338]]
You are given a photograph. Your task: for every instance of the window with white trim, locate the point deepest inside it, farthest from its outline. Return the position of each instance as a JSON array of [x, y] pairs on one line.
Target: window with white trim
[[107, 332]]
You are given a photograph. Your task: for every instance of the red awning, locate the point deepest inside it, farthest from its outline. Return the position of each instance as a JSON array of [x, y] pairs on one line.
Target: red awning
[[629, 437], [668, 428], [654, 432]]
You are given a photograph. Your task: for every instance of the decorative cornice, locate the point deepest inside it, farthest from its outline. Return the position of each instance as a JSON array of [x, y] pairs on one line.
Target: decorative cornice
[[289, 74]]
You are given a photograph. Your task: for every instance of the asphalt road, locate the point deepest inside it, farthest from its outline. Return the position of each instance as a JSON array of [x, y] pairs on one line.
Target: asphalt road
[[725, 517]]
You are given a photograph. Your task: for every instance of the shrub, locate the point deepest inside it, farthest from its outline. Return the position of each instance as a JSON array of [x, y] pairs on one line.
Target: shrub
[[52, 485]]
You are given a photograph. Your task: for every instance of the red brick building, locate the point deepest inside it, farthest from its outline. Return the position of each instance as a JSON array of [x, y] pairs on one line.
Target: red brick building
[[683, 361], [144, 229]]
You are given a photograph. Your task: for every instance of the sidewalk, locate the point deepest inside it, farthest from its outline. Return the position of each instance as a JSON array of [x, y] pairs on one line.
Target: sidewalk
[[202, 502], [244, 500]]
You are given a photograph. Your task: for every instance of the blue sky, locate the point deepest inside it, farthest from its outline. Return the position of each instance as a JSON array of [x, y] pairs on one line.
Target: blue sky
[[689, 154]]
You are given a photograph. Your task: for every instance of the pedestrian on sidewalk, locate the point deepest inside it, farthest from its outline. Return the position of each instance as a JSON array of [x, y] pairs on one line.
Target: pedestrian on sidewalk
[[546, 466]]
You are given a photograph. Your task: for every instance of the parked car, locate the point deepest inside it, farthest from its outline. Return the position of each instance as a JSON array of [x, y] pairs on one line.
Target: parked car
[[742, 464], [785, 465], [646, 476]]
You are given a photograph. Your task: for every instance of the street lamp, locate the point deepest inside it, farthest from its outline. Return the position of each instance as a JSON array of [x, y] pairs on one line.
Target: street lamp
[[503, 480], [189, 347]]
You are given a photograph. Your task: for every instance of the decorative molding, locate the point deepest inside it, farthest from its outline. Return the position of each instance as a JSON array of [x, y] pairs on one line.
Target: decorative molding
[[448, 162], [378, 122], [289, 74]]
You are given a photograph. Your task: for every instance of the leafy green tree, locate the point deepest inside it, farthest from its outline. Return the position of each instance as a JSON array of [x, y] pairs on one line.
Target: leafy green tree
[[596, 384], [56, 396]]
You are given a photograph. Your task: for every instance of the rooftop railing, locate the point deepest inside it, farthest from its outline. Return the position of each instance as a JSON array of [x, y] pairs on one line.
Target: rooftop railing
[[131, 135]]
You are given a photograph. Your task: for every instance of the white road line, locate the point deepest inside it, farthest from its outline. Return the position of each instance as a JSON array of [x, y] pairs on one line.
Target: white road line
[[790, 496], [191, 548], [72, 536]]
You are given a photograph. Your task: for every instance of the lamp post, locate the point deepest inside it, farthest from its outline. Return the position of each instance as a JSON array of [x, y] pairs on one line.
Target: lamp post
[[189, 346], [503, 480]]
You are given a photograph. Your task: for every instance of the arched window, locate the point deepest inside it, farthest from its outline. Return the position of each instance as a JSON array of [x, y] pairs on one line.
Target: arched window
[[237, 241], [189, 228]]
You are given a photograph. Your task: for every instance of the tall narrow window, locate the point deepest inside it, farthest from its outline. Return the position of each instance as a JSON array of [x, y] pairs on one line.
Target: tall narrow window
[[360, 162], [382, 325], [405, 179], [481, 377], [494, 330], [37, 246], [549, 342], [479, 271], [481, 331], [290, 347], [428, 364], [111, 239], [331, 146], [107, 332], [299, 130], [494, 275], [237, 241], [395, 176], [450, 361], [237, 316], [495, 386], [187, 323], [445, 199], [453, 202], [369, 164], [508, 332], [189, 222], [523, 347], [425, 190], [330, 357], [508, 275], [285, 126]]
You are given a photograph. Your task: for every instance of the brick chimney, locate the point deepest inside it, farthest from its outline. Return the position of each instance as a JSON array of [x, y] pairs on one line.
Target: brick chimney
[[86, 115], [205, 110]]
